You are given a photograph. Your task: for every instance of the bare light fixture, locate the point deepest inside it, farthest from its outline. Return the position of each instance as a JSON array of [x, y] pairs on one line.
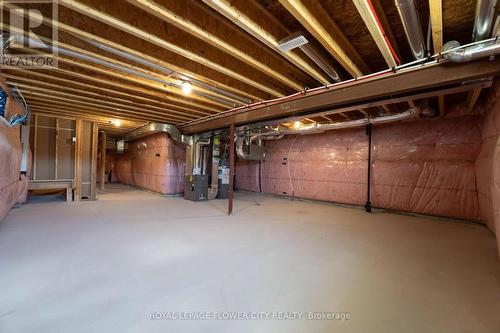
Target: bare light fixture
[[186, 88], [297, 125], [116, 122]]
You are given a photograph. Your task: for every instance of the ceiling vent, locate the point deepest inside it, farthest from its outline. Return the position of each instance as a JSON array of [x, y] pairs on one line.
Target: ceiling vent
[[292, 42], [299, 41]]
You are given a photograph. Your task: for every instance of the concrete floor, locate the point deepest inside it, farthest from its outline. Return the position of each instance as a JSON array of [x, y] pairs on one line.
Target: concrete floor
[[105, 266]]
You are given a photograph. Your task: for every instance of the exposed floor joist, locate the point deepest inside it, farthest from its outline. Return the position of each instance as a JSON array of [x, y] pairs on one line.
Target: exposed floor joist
[[181, 20], [314, 18], [436, 14], [227, 9], [124, 26], [368, 14]]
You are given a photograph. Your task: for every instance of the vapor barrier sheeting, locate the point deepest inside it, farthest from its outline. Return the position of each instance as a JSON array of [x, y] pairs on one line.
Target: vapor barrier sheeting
[[488, 165], [13, 188], [423, 166], [155, 162]]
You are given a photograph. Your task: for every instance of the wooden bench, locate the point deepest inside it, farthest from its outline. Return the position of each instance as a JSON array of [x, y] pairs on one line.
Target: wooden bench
[[63, 184]]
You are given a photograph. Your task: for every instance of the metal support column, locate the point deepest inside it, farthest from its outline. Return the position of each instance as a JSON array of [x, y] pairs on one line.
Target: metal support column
[[231, 169], [368, 205]]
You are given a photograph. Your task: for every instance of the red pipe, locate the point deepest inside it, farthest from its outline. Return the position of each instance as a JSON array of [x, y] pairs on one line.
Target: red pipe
[[387, 42]]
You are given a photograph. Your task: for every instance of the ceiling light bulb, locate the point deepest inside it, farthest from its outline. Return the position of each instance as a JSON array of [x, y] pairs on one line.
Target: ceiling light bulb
[[297, 125], [186, 88], [116, 122]]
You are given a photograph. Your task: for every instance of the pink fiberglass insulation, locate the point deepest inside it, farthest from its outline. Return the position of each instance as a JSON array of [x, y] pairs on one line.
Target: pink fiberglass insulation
[[155, 162], [13, 188], [422, 166], [488, 165]]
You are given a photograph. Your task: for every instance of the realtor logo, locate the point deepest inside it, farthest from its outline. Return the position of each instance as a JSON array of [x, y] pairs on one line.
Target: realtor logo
[[28, 33]]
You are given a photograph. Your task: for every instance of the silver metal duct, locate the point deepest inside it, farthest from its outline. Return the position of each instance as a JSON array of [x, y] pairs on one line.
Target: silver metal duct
[[411, 24], [483, 22], [154, 128], [298, 41], [274, 133], [482, 50]]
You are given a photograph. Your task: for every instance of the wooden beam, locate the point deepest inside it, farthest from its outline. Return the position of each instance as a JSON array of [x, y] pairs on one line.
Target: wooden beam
[[182, 21], [77, 111], [62, 115], [436, 14], [226, 8], [472, 99], [160, 96], [128, 28], [70, 112], [231, 170], [424, 80], [56, 153], [386, 108], [379, 9], [371, 20], [326, 31], [68, 23], [35, 146], [97, 85], [364, 112], [78, 160], [441, 104], [103, 160], [16, 80], [92, 102], [82, 110], [93, 161]]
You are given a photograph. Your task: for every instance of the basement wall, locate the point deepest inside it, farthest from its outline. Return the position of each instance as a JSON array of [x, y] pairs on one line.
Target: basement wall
[[155, 163], [425, 166], [13, 187], [488, 164]]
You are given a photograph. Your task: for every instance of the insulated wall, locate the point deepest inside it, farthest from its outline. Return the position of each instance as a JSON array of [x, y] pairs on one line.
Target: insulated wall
[[13, 187], [155, 162], [422, 166], [488, 165]]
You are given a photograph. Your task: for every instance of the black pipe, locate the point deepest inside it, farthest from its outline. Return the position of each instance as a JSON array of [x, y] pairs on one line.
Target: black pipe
[[368, 205]]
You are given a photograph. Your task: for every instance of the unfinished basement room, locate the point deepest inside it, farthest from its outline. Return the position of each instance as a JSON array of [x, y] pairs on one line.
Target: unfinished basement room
[[250, 166]]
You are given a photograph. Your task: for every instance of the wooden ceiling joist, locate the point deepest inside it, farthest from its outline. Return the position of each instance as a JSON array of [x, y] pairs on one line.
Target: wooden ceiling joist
[[96, 78], [168, 67], [124, 75], [472, 99], [169, 84], [436, 14], [14, 79], [134, 98], [128, 28], [103, 122], [225, 8], [98, 101], [373, 24], [77, 101], [181, 20], [326, 31], [56, 103]]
